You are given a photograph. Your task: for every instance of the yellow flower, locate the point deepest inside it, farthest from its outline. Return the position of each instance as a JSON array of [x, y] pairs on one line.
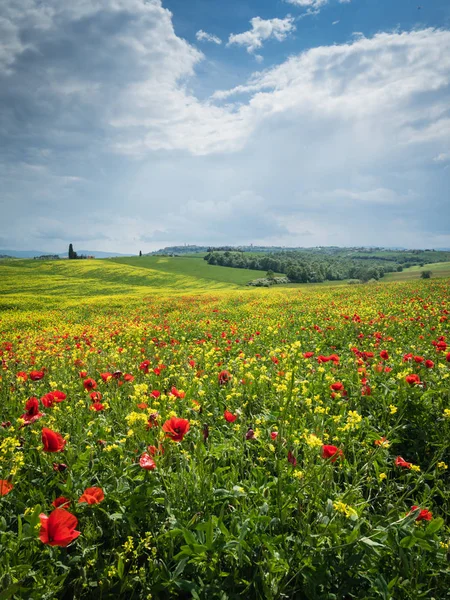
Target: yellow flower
[[382, 476]]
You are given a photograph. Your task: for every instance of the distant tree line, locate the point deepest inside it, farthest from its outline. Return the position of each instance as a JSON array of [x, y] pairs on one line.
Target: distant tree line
[[311, 266]]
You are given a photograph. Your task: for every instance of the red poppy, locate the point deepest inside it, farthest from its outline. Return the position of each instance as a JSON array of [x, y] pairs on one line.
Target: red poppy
[[413, 379], [418, 359], [144, 366], [60, 467], [384, 355], [176, 428], [224, 377], [331, 452], [447, 358], [142, 405], [424, 515], [155, 394], [97, 406], [95, 396], [155, 450], [147, 462], [48, 400], [59, 396], [106, 376], [61, 502], [292, 459], [31, 413], [401, 462], [22, 376], [229, 416], [5, 487], [128, 377], [90, 384], [308, 354], [58, 529], [83, 374], [337, 387], [152, 420], [274, 435], [36, 375], [429, 364], [53, 441], [177, 393], [92, 495]]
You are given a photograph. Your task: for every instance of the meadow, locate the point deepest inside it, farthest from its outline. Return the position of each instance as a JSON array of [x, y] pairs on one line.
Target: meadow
[[167, 433]]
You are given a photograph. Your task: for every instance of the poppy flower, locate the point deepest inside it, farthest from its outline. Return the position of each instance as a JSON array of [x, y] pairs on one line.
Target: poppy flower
[[155, 394], [144, 366], [36, 375], [128, 377], [61, 502], [155, 450], [176, 428], [5, 487], [106, 376], [92, 495], [413, 379], [424, 515], [83, 374], [384, 355], [250, 435], [292, 459], [152, 420], [337, 387], [382, 442], [308, 354], [53, 441], [274, 435], [229, 416], [60, 467], [48, 400], [429, 364], [58, 529], [89, 384], [59, 396], [177, 393], [22, 376], [401, 462], [224, 377], [147, 462], [331, 452], [95, 396], [97, 406], [31, 413]]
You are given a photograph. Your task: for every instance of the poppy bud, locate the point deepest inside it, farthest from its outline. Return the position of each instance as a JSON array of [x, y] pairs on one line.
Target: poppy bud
[[205, 432], [250, 435]]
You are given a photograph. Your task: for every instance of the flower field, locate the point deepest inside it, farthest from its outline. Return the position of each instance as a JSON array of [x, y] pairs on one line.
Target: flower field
[[261, 444]]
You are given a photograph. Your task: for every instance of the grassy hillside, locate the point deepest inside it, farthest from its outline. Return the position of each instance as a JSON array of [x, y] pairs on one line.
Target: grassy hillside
[[31, 283], [438, 269], [192, 266]]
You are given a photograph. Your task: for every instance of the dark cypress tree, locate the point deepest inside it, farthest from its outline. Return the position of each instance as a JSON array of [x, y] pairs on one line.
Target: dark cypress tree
[[71, 252]]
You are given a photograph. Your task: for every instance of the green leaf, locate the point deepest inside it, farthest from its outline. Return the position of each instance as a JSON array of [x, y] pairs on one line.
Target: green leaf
[[372, 543], [434, 526], [408, 541], [120, 567]]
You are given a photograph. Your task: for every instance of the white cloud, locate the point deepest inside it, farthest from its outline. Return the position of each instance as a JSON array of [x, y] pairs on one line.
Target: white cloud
[[203, 36], [311, 4], [443, 157], [261, 31], [329, 143]]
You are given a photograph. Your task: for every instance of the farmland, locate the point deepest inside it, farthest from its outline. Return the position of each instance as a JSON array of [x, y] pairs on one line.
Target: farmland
[[169, 433]]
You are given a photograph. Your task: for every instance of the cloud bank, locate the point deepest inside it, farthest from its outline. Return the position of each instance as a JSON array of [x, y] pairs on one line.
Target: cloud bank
[[103, 136]]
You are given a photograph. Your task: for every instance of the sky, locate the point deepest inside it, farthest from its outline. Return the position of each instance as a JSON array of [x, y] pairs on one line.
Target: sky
[[131, 125]]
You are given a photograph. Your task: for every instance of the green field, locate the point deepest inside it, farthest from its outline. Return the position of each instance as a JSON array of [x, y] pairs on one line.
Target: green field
[[192, 266], [438, 270]]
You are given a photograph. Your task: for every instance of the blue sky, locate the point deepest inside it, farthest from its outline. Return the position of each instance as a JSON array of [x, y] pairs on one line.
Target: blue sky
[[129, 125]]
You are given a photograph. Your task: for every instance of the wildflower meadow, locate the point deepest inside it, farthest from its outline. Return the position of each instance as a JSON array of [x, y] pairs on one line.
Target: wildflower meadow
[[245, 443]]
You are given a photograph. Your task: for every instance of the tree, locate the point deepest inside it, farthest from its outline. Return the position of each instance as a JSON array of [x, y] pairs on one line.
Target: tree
[[140, 252], [72, 253], [270, 274], [426, 274]]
